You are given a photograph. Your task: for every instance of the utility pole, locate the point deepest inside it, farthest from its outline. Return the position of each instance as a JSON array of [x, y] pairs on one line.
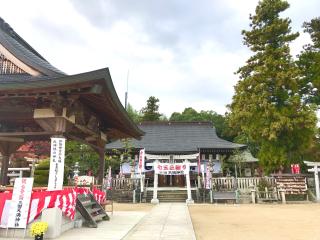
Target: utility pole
[[126, 94]]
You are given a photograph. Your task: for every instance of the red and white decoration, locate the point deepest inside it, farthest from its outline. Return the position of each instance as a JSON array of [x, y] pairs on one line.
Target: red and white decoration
[[171, 169], [64, 199], [295, 168], [141, 161]]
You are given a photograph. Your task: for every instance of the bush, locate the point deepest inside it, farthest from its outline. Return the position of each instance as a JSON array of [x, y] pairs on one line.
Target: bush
[[41, 173], [263, 184]]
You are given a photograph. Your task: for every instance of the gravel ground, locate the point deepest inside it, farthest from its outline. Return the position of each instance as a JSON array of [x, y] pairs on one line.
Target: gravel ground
[[256, 222]]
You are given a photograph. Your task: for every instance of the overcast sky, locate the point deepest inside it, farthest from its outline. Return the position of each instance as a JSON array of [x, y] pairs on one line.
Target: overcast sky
[[184, 52]]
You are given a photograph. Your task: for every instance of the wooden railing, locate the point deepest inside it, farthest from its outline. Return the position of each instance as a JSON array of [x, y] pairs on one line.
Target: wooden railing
[[244, 183], [125, 183]]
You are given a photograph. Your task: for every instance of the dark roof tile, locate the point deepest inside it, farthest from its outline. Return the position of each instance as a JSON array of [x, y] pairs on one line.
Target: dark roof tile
[[178, 137]]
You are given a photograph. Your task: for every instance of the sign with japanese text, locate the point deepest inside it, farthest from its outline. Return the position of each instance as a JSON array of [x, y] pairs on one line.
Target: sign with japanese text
[[56, 164], [19, 205], [84, 180], [208, 177], [171, 168], [141, 161]]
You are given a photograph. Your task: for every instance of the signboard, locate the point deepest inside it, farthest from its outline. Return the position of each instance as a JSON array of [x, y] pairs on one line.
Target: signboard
[[84, 180], [141, 161], [19, 205], [171, 169], [109, 180], [208, 177], [56, 164]]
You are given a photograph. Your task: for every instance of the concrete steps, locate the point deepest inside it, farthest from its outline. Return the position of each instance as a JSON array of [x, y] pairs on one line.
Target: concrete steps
[[169, 196]]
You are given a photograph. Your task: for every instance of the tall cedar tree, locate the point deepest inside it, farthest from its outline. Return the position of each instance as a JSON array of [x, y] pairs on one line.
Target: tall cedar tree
[[309, 63], [151, 111], [267, 107]]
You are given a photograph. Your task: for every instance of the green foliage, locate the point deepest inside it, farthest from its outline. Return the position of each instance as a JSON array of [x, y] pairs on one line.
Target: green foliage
[[88, 158], [267, 107], [263, 184], [117, 157], [41, 173], [309, 63], [238, 158], [151, 111], [219, 121], [134, 114]]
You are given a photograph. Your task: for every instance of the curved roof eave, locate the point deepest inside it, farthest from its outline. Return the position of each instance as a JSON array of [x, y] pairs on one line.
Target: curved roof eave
[[27, 56], [35, 84]]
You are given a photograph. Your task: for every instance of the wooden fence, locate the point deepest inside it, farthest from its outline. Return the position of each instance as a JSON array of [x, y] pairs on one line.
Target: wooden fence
[[243, 183]]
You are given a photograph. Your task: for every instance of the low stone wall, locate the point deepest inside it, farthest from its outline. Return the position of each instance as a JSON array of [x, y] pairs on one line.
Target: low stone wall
[[57, 222]]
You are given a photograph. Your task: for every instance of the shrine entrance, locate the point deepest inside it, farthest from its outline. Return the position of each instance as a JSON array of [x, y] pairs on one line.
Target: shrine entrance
[[172, 181]]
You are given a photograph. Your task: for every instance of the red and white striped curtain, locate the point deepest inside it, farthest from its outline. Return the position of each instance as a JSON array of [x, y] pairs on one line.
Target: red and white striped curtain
[[40, 200]]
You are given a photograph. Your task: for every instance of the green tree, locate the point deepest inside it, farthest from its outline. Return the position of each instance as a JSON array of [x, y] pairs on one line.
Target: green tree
[[218, 121], [134, 114], [151, 111], [267, 107], [77, 152], [309, 63]]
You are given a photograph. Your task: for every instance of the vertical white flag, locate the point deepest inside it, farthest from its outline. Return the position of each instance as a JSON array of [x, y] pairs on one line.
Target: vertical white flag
[[19, 207], [56, 164], [141, 161]]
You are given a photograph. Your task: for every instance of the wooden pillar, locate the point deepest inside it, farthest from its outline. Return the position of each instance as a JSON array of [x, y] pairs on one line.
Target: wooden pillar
[[7, 147], [102, 162]]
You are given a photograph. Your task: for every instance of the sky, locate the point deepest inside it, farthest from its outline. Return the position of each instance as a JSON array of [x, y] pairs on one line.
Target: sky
[[183, 52]]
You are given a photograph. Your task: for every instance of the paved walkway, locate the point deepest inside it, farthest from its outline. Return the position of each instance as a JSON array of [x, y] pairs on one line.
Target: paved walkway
[[115, 229], [165, 221]]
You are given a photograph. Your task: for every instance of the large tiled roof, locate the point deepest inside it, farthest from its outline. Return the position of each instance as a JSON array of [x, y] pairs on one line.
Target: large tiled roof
[[178, 137], [24, 52]]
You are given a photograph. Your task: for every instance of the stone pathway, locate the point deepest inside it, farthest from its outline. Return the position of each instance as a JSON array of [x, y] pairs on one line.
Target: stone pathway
[[115, 229], [165, 221]]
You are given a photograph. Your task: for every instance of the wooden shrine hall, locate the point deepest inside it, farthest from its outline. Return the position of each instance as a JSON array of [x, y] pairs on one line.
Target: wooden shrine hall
[[38, 101]]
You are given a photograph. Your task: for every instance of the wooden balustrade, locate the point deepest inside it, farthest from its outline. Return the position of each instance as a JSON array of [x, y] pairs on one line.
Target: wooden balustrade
[[244, 183], [125, 183]]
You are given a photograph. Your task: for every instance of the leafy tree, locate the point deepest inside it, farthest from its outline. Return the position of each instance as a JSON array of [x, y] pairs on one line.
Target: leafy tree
[[151, 111], [267, 107], [134, 114], [219, 121], [77, 152], [118, 157]]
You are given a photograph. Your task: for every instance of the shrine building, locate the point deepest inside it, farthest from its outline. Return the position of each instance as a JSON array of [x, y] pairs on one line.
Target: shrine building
[[39, 101], [174, 145]]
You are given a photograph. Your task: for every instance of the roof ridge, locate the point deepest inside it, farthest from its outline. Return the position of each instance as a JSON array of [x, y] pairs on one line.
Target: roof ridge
[[4, 26], [205, 123]]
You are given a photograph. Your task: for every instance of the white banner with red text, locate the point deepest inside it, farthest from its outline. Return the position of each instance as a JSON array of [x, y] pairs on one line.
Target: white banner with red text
[[141, 161], [171, 168], [19, 205]]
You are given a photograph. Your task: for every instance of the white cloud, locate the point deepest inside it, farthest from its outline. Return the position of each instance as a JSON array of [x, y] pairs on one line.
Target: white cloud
[[179, 54]]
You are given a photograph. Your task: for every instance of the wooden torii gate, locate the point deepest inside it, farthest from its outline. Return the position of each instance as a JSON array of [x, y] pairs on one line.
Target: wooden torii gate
[[315, 168]]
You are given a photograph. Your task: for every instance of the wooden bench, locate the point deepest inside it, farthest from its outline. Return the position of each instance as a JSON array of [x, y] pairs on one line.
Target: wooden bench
[[225, 196]]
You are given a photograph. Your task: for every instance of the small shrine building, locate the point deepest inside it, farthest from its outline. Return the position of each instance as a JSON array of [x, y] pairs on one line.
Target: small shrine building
[[168, 144]]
